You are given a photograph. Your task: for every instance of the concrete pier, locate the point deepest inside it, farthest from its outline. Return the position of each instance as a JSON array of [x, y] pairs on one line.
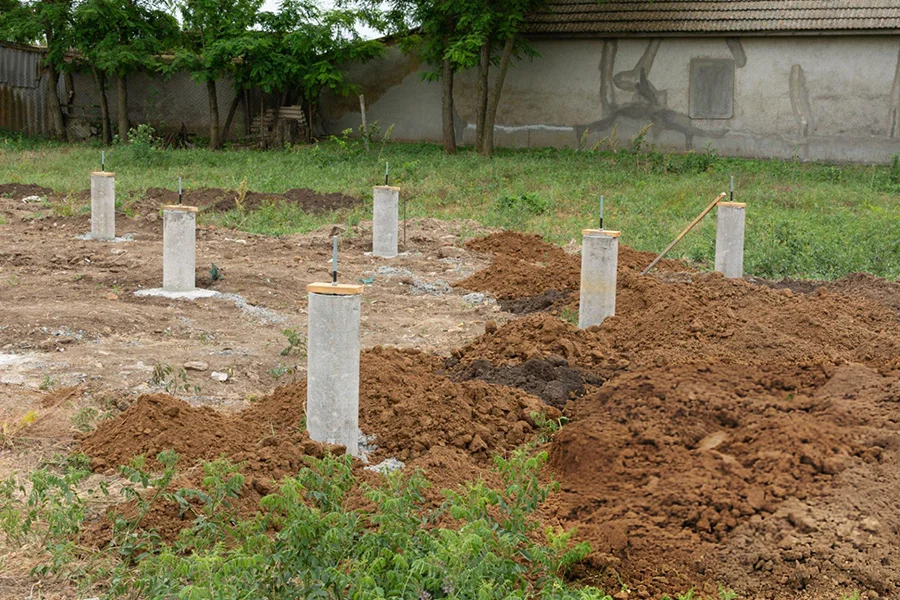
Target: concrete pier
[[599, 264], [179, 248], [730, 239], [103, 205], [332, 379], [385, 220]]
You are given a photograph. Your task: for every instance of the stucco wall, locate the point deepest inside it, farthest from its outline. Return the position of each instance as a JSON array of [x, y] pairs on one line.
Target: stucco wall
[[164, 102], [830, 98]]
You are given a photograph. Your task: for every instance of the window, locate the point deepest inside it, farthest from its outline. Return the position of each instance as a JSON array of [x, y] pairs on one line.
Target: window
[[712, 88]]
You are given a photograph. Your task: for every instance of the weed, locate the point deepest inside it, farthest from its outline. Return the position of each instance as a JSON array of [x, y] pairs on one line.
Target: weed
[[240, 199], [569, 315], [546, 426], [727, 593], [172, 381], [47, 384], [280, 371], [296, 343], [214, 273], [83, 419]]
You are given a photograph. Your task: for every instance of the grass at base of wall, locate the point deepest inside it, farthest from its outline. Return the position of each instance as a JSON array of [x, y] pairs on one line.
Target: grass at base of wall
[[804, 220]]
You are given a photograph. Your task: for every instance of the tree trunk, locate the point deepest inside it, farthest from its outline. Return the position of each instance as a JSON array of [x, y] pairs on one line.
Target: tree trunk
[[57, 124], [484, 69], [231, 112], [487, 143], [122, 101], [105, 128], [447, 108], [213, 114]]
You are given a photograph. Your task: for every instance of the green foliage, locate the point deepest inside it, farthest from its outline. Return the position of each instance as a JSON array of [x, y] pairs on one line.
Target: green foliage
[[172, 381], [398, 548], [531, 204], [83, 420], [296, 343], [143, 146], [47, 509]]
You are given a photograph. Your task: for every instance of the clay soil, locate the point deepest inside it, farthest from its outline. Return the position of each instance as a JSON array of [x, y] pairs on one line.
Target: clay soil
[[717, 432]]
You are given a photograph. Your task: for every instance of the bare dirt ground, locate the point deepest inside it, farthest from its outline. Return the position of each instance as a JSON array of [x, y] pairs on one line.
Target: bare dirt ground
[[70, 321], [720, 432]]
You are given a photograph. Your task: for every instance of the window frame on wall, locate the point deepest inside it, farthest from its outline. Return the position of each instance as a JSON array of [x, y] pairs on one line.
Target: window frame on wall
[[707, 109]]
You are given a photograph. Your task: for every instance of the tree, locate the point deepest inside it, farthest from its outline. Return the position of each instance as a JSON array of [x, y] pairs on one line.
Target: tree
[[50, 22], [118, 38], [497, 26], [215, 34], [428, 28], [298, 50]]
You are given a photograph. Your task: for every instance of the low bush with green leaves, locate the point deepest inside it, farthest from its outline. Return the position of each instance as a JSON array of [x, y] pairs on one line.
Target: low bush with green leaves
[[309, 538]]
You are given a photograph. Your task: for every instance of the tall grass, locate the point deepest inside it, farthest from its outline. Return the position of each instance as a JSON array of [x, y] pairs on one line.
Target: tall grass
[[803, 220]]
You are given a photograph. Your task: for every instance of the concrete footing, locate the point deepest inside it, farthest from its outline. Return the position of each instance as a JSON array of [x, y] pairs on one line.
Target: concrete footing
[[385, 220], [103, 206], [179, 248], [730, 239], [332, 379], [599, 264]]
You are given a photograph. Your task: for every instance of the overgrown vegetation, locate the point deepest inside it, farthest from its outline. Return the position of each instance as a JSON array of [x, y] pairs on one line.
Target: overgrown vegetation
[[803, 220], [306, 541]]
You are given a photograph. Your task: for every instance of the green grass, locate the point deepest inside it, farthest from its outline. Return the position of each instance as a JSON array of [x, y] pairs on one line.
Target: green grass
[[803, 220]]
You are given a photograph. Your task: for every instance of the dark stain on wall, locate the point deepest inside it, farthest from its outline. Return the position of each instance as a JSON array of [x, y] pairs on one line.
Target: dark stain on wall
[[647, 104], [737, 51], [374, 80], [800, 101], [894, 113]]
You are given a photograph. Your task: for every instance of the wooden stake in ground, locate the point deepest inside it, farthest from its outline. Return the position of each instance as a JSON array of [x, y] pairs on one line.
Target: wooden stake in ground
[[365, 131], [684, 233]]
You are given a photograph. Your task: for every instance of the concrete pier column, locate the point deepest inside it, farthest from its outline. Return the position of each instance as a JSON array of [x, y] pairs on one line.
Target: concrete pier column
[[385, 220], [599, 264], [179, 248], [103, 205], [730, 239], [332, 370]]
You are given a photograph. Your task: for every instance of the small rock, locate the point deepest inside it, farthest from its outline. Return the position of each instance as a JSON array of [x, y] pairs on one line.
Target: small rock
[[870, 524], [490, 326], [387, 466], [451, 252], [477, 444], [171, 411], [196, 365], [219, 376]]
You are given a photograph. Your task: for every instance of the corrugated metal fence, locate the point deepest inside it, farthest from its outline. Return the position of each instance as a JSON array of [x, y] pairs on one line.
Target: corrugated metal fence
[[23, 90]]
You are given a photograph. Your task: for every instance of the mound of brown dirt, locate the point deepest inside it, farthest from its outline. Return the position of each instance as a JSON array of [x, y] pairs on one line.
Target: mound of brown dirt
[[704, 317], [404, 402], [738, 475], [525, 269], [17, 191], [223, 200]]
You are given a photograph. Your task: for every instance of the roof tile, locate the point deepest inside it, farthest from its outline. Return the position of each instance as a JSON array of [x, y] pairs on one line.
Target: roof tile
[[710, 16]]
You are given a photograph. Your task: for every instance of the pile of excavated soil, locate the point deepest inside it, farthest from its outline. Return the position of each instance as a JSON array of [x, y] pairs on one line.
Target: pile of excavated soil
[[772, 479], [223, 200], [528, 274], [18, 191], [704, 317], [414, 413]]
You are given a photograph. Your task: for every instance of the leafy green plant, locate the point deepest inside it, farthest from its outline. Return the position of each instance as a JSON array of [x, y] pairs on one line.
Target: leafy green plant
[[569, 315], [531, 204], [83, 419], [172, 381], [296, 343]]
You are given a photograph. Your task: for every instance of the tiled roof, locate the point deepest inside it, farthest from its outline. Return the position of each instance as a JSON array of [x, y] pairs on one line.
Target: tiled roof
[[593, 17]]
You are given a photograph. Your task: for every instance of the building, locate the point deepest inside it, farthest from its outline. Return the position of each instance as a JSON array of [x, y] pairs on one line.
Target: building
[[811, 79]]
